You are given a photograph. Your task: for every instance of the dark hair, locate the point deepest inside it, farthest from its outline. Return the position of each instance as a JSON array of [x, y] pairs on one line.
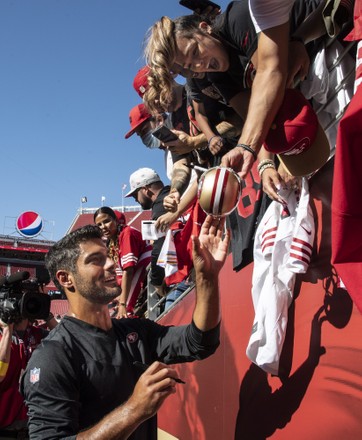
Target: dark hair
[[64, 254], [105, 210]]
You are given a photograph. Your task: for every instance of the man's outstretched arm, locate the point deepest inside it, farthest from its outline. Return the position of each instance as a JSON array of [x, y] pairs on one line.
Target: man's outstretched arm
[[209, 254]]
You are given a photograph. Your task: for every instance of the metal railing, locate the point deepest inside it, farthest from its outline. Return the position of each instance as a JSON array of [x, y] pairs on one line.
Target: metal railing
[[156, 304]]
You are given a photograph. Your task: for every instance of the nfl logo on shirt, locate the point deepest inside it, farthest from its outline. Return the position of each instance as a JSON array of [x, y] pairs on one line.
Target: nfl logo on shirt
[[34, 375]]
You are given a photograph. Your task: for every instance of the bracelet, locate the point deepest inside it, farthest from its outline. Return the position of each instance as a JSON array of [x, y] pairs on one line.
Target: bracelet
[[206, 147], [249, 149], [264, 167], [264, 162], [123, 304], [213, 137]]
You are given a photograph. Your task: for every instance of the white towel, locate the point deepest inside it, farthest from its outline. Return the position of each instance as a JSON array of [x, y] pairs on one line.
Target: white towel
[[282, 248]]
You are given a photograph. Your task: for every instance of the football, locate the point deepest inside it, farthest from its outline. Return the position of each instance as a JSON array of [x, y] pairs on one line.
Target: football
[[219, 191]]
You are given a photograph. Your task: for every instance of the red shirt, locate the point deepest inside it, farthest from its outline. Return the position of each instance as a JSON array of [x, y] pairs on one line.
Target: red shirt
[[12, 405], [133, 250], [356, 33]]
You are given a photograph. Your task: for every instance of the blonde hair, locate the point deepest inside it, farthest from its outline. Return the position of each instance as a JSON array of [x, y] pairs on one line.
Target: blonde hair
[[160, 54]]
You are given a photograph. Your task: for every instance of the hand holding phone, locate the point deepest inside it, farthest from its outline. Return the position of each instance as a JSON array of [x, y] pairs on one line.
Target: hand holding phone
[[164, 134]]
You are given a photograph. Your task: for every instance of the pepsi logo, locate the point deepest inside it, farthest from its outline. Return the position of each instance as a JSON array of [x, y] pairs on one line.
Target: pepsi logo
[[29, 224]]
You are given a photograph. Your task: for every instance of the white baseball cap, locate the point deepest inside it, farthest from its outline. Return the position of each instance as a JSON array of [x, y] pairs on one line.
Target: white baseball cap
[[140, 178]]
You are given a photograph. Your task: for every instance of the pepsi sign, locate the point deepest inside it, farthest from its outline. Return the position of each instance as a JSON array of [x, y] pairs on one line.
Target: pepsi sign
[[29, 224]]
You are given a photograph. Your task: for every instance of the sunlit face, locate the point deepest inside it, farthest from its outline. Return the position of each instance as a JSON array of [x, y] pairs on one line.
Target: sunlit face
[[95, 278], [202, 53], [107, 224]]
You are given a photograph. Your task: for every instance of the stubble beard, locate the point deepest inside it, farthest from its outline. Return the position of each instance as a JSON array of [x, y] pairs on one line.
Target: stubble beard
[[146, 204], [96, 295]]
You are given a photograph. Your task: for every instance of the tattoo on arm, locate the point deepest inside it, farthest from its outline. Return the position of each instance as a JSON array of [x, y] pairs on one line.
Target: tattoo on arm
[[180, 180]]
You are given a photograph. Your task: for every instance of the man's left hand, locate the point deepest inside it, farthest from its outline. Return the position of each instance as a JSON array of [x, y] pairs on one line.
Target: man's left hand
[[210, 248]]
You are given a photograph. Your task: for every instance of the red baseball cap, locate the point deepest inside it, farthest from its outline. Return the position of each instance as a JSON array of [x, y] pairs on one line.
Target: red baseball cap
[[140, 82], [297, 137], [137, 116]]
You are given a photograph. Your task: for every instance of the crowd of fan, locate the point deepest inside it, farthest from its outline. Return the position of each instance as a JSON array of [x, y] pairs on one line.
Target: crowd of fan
[[217, 117]]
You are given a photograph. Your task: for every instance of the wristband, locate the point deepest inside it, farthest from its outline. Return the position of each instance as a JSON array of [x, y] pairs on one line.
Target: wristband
[[264, 167], [265, 162], [213, 137], [249, 149], [206, 147]]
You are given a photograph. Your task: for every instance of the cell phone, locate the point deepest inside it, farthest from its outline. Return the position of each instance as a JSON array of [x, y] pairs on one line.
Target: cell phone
[[164, 134], [199, 5]]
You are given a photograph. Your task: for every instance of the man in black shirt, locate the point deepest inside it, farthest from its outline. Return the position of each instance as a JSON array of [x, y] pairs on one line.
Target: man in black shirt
[[82, 381], [149, 191]]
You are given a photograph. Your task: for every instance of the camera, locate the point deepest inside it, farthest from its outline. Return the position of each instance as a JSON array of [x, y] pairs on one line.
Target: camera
[[22, 298]]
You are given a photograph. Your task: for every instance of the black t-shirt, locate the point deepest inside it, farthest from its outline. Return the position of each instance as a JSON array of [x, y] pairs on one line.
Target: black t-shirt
[[203, 90], [180, 121], [80, 373], [157, 206], [236, 30], [158, 272]]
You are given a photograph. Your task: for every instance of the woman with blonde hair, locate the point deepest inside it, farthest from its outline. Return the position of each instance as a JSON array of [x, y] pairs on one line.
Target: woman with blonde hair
[[163, 53]]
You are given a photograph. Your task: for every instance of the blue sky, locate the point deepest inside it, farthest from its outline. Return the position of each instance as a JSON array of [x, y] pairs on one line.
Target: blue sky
[[67, 68]]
